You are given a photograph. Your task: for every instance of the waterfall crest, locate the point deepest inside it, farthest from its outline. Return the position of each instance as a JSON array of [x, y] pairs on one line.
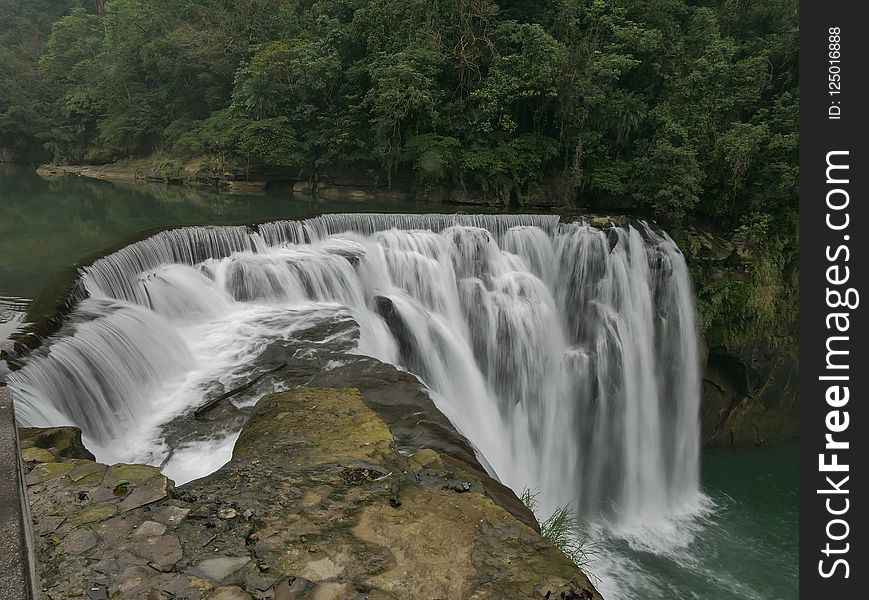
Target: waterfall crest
[[565, 353]]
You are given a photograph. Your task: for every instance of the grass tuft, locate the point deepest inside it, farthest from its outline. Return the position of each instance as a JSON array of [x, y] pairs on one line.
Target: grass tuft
[[567, 532]]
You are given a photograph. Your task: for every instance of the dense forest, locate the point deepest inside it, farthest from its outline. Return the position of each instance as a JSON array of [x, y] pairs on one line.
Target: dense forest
[[671, 107]]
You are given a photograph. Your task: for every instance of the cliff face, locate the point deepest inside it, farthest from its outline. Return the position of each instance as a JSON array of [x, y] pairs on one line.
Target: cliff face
[[748, 318], [315, 503]]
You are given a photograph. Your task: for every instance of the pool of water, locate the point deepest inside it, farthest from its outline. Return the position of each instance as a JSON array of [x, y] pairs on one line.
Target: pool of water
[[740, 544]]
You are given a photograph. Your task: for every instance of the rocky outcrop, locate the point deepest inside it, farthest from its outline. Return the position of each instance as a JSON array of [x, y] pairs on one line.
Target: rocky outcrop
[[750, 396], [52, 444], [109, 172], [750, 385], [316, 503]]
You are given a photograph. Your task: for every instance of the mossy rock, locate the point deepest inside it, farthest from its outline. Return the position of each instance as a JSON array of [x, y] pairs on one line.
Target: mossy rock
[[309, 432], [61, 442], [48, 471], [93, 514], [427, 459], [600, 222], [130, 475], [315, 501], [36, 455]]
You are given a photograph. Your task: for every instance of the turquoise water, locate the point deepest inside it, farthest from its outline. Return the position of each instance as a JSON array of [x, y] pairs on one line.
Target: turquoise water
[[738, 543], [742, 545]]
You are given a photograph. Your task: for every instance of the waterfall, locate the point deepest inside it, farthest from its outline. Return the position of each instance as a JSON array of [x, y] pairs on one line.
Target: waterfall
[[565, 353], [104, 377]]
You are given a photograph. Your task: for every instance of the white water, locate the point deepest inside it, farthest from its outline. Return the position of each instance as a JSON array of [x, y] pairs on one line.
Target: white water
[[566, 354]]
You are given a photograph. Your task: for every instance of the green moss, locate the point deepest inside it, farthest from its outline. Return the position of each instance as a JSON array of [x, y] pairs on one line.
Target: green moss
[[87, 469], [52, 470], [131, 474], [313, 410], [38, 455], [92, 514]]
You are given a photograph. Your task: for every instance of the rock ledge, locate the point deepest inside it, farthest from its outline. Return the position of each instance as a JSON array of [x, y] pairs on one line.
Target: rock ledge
[[316, 503]]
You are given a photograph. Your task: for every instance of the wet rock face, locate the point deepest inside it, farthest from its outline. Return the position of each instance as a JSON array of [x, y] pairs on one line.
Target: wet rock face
[[750, 394], [316, 503], [750, 398], [396, 396]]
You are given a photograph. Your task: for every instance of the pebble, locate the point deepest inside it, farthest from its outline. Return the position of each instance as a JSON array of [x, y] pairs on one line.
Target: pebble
[[149, 529], [227, 513], [219, 568], [229, 593], [460, 487]]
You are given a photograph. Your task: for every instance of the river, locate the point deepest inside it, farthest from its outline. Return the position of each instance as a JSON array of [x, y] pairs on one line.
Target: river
[[738, 542]]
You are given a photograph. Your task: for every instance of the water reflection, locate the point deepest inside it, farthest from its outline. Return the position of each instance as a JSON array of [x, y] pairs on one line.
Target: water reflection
[[48, 225]]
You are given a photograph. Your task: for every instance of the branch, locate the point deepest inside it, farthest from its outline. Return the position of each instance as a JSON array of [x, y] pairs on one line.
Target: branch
[[204, 408]]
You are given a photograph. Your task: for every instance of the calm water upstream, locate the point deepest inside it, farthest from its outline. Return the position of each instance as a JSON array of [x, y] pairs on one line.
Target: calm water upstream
[[48, 225], [741, 545]]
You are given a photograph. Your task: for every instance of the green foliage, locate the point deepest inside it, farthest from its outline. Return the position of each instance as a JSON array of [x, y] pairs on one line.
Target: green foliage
[[565, 531], [520, 81], [675, 108], [755, 227], [680, 109], [758, 299], [168, 168], [433, 156], [215, 135]]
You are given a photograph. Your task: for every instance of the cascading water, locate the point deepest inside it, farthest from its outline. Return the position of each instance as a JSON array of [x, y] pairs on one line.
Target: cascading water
[[565, 353]]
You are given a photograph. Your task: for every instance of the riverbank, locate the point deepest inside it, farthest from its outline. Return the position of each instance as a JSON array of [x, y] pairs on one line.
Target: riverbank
[[201, 174], [125, 171], [168, 171], [333, 183], [316, 503]]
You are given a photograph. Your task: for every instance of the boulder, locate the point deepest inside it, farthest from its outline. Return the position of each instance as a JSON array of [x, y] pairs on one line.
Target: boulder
[[45, 444]]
